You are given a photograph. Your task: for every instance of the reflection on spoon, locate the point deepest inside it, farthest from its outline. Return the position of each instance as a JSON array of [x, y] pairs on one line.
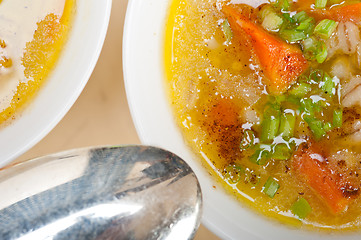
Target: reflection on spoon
[[126, 192]]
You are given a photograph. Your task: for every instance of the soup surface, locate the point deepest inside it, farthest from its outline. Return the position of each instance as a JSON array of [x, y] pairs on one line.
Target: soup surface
[[268, 95], [32, 34]]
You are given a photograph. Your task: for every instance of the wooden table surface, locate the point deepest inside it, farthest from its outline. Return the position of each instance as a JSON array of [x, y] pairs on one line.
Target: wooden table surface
[[101, 115]]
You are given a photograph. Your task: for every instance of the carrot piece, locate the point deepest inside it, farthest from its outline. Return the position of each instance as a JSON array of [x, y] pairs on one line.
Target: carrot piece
[[302, 5], [343, 13], [347, 13], [224, 112], [282, 63], [308, 164]]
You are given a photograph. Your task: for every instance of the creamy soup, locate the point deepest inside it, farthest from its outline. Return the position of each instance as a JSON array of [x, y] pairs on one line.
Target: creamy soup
[[32, 34], [268, 95]]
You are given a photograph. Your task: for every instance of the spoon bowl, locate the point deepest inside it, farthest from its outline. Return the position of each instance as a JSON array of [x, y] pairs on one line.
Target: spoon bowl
[[121, 192]]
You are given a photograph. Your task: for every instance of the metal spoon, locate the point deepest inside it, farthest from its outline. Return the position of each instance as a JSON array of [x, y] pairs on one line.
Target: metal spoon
[[123, 192]]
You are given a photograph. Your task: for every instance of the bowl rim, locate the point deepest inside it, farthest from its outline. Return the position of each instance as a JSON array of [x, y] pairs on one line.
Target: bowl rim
[[144, 77], [38, 132]]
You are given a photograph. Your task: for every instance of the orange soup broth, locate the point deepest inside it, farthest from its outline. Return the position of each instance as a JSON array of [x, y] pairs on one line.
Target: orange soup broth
[[214, 87]]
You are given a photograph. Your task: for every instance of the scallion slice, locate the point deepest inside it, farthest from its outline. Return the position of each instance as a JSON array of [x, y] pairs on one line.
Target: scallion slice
[[284, 5], [309, 107], [321, 52], [270, 126], [300, 89], [272, 22], [301, 208], [233, 173], [316, 75], [271, 122], [292, 35], [247, 140], [328, 84], [309, 44], [320, 3], [337, 118], [281, 151], [325, 28], [227, 31], [306, 26], [327, 127], [316, 127], [260, 157], [287, 125], [270, 187], [288, 17], [300, 16]]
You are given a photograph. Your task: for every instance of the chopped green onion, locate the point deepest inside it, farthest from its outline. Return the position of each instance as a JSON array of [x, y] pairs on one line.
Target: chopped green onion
[[247, 140], [309, 107], [280, 98], [300, 89], [270, 126], [271, 122], [316, 127], [328, 84], [300, 16], [284, 5], [294, 100], [270, 187], [233, 173], [316, 47], [253, 178], [260, 157], [227, 31], [281, 152], [288, 17], [301, 208], [292, 35], [265, 10], [287, 125], [321, 52], [272, 22], [325, 28], [320, 3], [337, 118], [306, 26], [327, 126], [316, 75], [309, 44]]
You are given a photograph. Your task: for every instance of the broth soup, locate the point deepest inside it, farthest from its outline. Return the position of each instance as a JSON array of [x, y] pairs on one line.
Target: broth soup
[[268, 95], [32, 35]]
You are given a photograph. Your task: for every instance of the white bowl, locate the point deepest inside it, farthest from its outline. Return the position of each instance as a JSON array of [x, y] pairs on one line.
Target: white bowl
[[144, 80], [65, 84]]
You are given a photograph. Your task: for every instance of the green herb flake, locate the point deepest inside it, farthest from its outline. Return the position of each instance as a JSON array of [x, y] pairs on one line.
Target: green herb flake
[[301, 208], [325, 28], [233, 173], [320, 3], [282, 152], [228, 34], [272, 22], [337, 118], [247, 140], [271, 187], [260, 157]]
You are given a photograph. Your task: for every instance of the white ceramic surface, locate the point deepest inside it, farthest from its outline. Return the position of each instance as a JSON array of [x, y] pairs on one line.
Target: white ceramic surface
[[144, 79], [65, 84]]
